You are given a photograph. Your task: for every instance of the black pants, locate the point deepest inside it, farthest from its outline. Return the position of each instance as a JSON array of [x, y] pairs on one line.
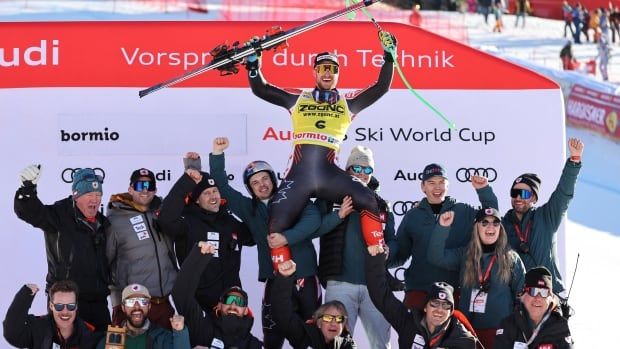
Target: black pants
[[95, 313], [313, 173], [306, 300]]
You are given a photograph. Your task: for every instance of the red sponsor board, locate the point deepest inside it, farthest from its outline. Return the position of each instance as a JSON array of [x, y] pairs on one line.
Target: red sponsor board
[[594, 110], [140, 54]]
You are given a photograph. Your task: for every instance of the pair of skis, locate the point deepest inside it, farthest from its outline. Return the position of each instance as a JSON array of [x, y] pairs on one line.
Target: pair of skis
[[233, 55]]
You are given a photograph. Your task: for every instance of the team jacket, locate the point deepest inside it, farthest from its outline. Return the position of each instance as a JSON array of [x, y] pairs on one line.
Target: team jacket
[[193, 224], [207, 329], [138, 252], [255, 214], [501, 297], [554, 333], [414, 234], [299, 332], [544, 222], [407, 323], [343, 247], [23, 330], [75, 249]]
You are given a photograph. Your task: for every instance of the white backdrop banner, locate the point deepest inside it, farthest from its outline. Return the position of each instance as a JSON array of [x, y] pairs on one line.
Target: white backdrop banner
[[69, 99]]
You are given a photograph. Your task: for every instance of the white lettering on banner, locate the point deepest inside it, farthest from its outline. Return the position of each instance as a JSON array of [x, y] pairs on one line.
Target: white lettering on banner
[[32, 56], [586, 112], [436, 59], [185, 59], [298, 60]]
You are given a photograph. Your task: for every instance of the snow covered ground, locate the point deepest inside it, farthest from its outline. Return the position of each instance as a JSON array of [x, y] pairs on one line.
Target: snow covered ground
[[592, 229]]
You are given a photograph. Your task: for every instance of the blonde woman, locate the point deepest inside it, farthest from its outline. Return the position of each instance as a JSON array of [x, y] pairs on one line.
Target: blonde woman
[[491, 273]]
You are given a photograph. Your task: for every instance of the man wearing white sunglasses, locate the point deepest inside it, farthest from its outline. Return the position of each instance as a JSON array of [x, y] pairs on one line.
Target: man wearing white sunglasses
[[537, 321]]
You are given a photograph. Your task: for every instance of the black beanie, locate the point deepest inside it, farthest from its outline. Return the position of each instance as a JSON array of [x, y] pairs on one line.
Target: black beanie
[[206, 182], [442, 291], [538, 277], [531, 179]]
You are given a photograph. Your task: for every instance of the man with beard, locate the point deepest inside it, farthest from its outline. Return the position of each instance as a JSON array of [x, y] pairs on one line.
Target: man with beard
[[140, 333], [137, 250], [61, 328], [532, 231], [230, 324]]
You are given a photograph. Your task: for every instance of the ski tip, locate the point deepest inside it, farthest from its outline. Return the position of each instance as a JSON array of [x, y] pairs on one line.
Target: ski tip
[[143, 93]]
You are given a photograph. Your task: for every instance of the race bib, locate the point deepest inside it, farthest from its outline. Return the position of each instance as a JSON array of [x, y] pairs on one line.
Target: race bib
[[478, 301], [519, 345]]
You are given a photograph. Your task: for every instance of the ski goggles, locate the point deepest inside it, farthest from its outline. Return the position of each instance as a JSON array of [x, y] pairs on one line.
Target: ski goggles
[[361, 169], [62, 306], [141, 185], [523, 193], [436, 304], [234, 299], [323, 68], [485, 222], [142, 301], [538, 291], [329, 318]]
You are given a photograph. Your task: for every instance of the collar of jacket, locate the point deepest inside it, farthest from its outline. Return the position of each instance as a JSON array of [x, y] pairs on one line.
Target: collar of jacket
[[125, 202]]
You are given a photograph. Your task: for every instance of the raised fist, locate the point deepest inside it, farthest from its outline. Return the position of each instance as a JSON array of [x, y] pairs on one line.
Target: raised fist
[[219, 145], [446, 218]]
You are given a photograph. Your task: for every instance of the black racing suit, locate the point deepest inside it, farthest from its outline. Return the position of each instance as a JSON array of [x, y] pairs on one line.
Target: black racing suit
[[313, 171]]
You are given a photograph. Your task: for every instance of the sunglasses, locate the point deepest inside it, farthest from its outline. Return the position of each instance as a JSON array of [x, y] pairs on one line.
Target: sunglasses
[[437, 304], [485, 222], [538, 291], [141, 185], [329, 318], [142, 301], [523, 193], [61, 306], [234, 299], [359, 169], [322, 68]]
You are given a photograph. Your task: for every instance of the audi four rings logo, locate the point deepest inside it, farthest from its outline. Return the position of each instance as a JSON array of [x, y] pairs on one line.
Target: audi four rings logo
[[401, 207], [67, 173], [464, 174]]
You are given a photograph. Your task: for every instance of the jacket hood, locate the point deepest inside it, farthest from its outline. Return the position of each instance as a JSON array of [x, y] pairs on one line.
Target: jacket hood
[[124, 201]]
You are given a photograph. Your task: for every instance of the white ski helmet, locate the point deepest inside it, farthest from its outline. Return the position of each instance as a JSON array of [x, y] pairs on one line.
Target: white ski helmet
[[255, 167]]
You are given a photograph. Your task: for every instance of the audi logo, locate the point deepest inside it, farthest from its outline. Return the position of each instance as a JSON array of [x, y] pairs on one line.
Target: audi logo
[[67, 174], [464, 174], [400, 208]]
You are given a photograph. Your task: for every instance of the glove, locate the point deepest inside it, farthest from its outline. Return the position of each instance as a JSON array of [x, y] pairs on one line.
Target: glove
[[567, 310], [252, 62], [279, 255], [30, 175], [388, 41]]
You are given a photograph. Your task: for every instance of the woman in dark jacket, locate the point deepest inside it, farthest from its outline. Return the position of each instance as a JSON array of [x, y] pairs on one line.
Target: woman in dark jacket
[[326, 329], [438, 325]]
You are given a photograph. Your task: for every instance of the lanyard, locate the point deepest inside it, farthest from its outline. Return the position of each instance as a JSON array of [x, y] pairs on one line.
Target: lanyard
[[523, 237], [487, 273], [436, 339]]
